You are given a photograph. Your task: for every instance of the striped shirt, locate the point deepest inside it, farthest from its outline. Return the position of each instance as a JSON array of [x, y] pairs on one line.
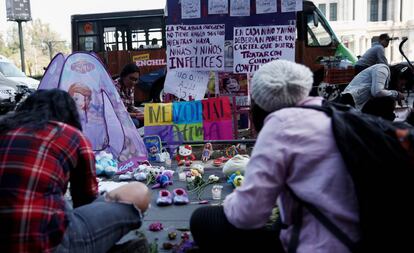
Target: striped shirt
[[127, 96], [35, 168]]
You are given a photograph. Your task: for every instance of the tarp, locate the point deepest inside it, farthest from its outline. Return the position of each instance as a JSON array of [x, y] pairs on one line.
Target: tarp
[[105, 121]]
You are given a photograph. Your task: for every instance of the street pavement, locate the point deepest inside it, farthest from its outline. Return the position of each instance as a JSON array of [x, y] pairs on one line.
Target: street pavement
[[175, 218]]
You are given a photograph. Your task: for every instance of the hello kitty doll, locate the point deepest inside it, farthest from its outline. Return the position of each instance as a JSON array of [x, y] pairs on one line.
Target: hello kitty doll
[[185, 155]]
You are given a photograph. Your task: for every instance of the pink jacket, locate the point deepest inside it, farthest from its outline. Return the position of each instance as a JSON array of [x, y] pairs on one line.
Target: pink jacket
[[296, 147]]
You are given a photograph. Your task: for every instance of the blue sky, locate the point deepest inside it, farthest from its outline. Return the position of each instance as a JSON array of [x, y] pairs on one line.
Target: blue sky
[[57, 12]]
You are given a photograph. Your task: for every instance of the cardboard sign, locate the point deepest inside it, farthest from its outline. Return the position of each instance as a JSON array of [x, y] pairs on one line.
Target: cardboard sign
[[257, 45], [197, 47], [157, 114], [187, 84]]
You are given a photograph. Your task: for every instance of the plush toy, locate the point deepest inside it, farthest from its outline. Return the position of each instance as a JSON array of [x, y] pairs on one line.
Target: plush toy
[[207, 151], [164, 179], [197, 166], [236, 179], [185, 155], [105, 164], [237, 163]]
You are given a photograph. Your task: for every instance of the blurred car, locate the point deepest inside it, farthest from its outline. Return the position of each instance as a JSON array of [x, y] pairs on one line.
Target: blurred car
[[11, 94], [10, 71]]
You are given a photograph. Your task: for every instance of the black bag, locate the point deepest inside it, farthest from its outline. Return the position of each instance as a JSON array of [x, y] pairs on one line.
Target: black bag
[[379, 156]]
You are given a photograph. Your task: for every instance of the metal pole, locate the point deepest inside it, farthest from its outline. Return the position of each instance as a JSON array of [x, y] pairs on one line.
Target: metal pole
[[19, 22], [49, 43]]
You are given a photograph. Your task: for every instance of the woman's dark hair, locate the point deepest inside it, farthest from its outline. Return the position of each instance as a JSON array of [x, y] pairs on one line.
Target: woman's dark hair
[[41, 107], [129, 69], [258, 116]]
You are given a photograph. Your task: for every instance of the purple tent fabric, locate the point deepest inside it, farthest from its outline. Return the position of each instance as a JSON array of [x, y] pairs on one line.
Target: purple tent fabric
[[104, 118]]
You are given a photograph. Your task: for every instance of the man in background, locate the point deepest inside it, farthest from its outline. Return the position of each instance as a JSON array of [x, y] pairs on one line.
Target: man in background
[[374, 55]]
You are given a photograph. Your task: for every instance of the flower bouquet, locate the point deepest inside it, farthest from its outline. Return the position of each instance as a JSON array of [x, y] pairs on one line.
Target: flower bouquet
[[196, 184]]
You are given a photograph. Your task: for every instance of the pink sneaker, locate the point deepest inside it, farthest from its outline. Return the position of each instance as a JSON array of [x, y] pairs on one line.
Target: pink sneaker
[[180, 196], [164, 198]]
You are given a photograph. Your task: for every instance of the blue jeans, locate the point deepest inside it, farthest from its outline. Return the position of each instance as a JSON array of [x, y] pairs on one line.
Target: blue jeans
[[96, 227]]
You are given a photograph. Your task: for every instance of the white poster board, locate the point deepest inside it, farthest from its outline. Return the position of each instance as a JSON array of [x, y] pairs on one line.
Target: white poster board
[[256, 45], [190, 9], [196, 47], [239, 8], [266, 6], [186, 84], [218, 7]]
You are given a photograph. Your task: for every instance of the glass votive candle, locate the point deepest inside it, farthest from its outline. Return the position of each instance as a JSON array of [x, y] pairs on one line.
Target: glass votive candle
[[182, 175], [216, 191]]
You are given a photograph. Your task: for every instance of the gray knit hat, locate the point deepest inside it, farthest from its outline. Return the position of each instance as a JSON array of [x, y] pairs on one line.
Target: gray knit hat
[[280, 84]]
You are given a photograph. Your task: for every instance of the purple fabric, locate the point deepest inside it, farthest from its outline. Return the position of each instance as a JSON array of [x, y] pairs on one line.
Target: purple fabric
[[50, 79], [105, 121], [296, 147]]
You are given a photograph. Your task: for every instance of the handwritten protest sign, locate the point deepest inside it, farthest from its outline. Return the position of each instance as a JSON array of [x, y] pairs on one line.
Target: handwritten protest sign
[[209, 119], [239, 8], [217, 7], [186, 84], [166, 133], [197, 47], [190, 9], [266, 6], [292, 5], [188, 120], [218, 130], [187, 112], [158, 114], [216, 109], [190, 132], [257, 45], [217, 118]]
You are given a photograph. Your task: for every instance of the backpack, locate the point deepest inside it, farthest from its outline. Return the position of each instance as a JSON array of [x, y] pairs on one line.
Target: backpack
[[379, 156]]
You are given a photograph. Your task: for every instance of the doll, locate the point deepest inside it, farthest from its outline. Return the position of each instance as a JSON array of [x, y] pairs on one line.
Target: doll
[[207, 151]]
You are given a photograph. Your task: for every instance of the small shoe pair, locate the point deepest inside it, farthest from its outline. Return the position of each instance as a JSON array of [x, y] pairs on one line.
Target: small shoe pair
[[165, 197]]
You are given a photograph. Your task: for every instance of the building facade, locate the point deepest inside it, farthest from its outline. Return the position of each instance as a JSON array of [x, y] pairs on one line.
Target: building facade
[[358, 23]]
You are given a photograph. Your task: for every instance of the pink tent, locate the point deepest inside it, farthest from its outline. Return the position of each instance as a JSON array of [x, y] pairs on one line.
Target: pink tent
[[104, 118]]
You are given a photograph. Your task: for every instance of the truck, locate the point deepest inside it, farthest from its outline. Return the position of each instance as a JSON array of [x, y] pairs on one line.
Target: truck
[[139, 36]]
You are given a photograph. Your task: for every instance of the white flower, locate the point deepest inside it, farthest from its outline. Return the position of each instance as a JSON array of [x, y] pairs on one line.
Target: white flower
[[213, 178]]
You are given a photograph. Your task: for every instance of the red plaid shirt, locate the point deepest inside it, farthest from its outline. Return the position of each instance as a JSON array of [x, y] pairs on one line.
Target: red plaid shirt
[[35, 168]]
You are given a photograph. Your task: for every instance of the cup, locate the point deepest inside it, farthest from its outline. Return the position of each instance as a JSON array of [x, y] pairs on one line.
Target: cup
[[182, 175], [216, 191]]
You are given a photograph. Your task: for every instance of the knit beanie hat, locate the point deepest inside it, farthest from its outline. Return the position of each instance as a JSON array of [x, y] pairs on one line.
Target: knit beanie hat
[[278, 84]]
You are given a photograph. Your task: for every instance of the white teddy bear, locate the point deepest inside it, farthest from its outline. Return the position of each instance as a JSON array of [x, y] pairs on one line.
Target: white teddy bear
[[105, 164]]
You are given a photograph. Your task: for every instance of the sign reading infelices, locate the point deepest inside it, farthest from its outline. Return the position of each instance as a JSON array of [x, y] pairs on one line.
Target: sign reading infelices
[[18, 10]]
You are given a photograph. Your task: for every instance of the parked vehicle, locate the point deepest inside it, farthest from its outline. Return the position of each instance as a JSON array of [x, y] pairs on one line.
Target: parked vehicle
[[123, 37], [11, 94], [10, 71]]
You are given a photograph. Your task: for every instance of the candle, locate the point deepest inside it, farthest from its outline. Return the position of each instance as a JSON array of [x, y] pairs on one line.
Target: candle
[[216, 191]]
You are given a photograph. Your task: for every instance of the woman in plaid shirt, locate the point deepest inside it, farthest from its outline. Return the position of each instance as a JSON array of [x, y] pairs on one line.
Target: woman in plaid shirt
[[42, 149]]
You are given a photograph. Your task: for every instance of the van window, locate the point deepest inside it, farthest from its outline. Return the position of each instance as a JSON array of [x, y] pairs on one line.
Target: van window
[[318, 35], [10, 70]]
